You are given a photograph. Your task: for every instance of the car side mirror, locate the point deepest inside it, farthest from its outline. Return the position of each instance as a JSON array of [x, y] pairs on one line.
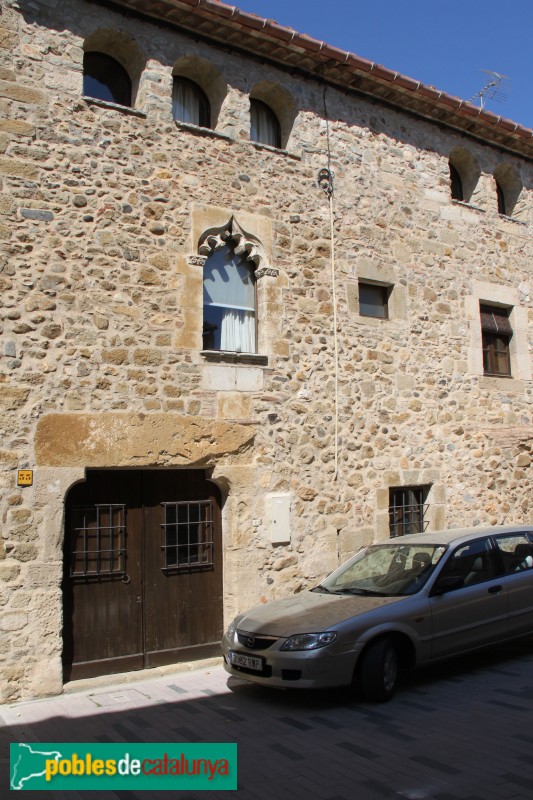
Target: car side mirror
[[444, 585]]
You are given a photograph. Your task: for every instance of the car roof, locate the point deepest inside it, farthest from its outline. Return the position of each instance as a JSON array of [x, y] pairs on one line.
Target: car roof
[[458, 535]]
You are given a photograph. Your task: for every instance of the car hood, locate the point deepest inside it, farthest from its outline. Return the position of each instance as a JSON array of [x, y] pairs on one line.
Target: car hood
[[307, 612]]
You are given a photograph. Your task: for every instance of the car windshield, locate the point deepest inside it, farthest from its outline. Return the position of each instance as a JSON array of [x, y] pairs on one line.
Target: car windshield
[[385, 570]]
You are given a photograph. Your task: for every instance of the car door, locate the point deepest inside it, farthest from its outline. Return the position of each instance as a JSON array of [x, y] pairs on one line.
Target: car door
[[474, 613], [515, 551]]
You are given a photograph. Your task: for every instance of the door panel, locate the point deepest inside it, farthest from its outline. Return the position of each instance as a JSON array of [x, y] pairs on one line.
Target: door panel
[[515, 551], [191, 616], [102, 580], [468, 618], [520, 588], [475, 614], [124, 608]]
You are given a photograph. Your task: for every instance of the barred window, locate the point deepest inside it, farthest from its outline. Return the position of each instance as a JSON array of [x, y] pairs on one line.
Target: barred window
[[187, 534], [407, 510], [98, 541]]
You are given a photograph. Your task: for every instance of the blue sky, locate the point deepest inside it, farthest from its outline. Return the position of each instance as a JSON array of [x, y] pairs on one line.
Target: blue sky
[[445, 43]]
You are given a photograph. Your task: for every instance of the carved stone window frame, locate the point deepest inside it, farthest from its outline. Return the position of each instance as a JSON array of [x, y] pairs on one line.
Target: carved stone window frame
[[244, 244]]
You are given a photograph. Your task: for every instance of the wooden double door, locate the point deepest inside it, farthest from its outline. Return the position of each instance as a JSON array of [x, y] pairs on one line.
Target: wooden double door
[[142, 571]]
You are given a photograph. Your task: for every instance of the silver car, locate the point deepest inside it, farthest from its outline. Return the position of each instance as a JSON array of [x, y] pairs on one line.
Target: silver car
[[409, 601]]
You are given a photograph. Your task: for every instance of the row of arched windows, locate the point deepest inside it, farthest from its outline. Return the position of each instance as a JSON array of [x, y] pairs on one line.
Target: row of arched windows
[[464, 181], [104, 78]]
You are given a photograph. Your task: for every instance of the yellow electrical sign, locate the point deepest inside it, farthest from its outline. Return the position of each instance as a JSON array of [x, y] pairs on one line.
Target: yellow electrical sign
[[25, 477]]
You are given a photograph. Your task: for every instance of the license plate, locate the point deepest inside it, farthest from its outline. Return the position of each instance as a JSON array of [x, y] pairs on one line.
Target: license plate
[[248, 662]]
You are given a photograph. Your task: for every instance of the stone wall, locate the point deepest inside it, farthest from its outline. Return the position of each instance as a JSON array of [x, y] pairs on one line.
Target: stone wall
[[102, 211]]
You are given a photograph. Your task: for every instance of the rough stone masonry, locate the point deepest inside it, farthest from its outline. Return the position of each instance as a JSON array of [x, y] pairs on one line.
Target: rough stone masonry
[[103, 214]]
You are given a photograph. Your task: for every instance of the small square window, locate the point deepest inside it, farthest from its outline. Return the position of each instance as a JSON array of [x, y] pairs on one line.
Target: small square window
[[98, 541], [187, 535], [496, 334], [407, 510], [374, 300]]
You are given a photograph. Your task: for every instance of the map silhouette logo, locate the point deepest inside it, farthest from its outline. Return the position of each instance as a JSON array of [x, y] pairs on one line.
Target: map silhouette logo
[[28, 762]]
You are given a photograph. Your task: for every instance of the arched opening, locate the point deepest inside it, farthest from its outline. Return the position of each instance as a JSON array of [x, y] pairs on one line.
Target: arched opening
[[112, 67], [142, 580], [464, 175], [105, 79], [264, 125], [190, 103], [198, 92], [272, 114], [508, 189]]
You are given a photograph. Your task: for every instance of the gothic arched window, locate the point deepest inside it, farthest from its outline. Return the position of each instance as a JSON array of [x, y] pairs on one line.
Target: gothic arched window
[[229, 302]]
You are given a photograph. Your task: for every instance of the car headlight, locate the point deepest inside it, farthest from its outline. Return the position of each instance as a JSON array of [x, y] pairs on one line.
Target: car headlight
[[230, 633], [309, 641]]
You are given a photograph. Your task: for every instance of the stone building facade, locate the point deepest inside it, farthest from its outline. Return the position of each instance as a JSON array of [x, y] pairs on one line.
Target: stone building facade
[[372, 272]]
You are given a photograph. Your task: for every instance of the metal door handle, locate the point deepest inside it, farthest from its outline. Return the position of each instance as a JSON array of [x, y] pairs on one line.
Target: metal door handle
[[495, 589]]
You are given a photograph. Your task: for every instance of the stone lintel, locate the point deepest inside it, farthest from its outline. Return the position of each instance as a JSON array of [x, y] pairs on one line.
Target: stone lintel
[[115, 439]]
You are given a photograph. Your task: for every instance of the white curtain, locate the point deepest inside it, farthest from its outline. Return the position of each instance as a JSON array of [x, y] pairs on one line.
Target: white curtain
[[264, 125], [185, 103], [238, 331], [229, 291]]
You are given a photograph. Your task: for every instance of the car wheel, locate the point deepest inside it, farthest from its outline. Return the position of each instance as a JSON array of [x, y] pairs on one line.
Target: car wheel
[[378, 672]]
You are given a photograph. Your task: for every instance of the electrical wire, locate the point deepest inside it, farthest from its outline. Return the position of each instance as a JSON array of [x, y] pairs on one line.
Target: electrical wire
[[325, 179], [335, 337]]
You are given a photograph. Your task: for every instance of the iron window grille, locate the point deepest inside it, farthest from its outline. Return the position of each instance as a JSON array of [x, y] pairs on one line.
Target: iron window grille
[[187, 534], [407, 511], [98, 536], [496, 334]]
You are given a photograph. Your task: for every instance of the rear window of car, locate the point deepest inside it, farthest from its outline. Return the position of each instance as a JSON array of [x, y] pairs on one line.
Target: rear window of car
[[515, 552]]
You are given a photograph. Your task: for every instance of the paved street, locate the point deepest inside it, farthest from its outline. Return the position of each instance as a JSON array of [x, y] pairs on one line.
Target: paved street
[[459, 731]]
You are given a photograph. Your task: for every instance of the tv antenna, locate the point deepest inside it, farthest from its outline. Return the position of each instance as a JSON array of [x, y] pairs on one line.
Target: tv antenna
[[496, 89]]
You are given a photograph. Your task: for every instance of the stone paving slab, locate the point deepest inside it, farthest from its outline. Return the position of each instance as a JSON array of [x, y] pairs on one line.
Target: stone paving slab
[[457, 731]]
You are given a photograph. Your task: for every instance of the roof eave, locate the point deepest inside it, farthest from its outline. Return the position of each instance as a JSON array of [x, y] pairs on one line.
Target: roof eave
[[287, 48]]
